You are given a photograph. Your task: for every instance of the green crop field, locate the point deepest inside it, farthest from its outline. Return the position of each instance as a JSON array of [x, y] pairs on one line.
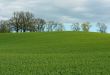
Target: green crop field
[[55, 53]]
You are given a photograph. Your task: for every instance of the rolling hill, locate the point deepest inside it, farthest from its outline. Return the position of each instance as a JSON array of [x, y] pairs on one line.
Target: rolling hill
[[54, 53]]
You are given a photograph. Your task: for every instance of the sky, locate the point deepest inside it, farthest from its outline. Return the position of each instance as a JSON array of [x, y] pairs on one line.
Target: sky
[[66, 11]]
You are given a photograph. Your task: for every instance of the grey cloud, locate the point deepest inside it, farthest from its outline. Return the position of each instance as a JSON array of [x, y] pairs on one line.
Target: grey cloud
[[66, 11]]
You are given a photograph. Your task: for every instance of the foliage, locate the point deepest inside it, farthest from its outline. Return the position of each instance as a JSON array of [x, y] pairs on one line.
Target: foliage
[[76, 27], [102, 27], [86, 26], [23, 21], [4, 26]]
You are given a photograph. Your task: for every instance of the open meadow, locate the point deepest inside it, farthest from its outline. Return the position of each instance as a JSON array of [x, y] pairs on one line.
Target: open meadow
[[55, 53]]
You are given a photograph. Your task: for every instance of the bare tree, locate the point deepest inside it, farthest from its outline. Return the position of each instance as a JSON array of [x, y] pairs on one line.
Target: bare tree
[[86, 26], [15, 21], [22, 21], [49, 26], [29, 22], [59, 27], [75, 27], [4, 26], [54, 26], [40, 25], [102, 27]]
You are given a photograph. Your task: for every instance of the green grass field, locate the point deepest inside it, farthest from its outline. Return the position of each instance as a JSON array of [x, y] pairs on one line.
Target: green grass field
[[55, 53]]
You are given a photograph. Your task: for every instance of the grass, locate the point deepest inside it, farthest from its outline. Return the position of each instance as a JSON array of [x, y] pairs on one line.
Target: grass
[[56, 53]]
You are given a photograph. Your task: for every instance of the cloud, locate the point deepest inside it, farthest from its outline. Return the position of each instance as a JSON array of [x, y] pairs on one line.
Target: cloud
[[68, 19], [67, 11]]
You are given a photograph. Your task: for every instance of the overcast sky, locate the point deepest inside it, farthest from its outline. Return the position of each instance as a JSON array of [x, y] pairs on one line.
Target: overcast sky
[[67, 11]]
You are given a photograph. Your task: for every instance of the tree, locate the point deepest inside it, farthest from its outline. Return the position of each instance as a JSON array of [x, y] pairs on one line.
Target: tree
[[15, 21], [28, 22], [86, 26], [4, 26], [102, 27], [23, 21], [59, 27], [51, 26], [75, 27], [40, 25]]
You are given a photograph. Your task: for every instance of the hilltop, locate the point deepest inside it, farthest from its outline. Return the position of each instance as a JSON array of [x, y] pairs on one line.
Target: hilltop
[[54, 53]]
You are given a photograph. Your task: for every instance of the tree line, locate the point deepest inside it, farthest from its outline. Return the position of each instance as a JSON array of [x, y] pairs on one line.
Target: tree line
[[101, 27], [26, 22]]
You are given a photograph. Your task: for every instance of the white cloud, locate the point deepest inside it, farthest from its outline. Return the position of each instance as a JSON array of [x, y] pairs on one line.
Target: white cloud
[[69, 19], [70, 3], [64, 10], [105, 1], [80, 9], [3, 18]]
